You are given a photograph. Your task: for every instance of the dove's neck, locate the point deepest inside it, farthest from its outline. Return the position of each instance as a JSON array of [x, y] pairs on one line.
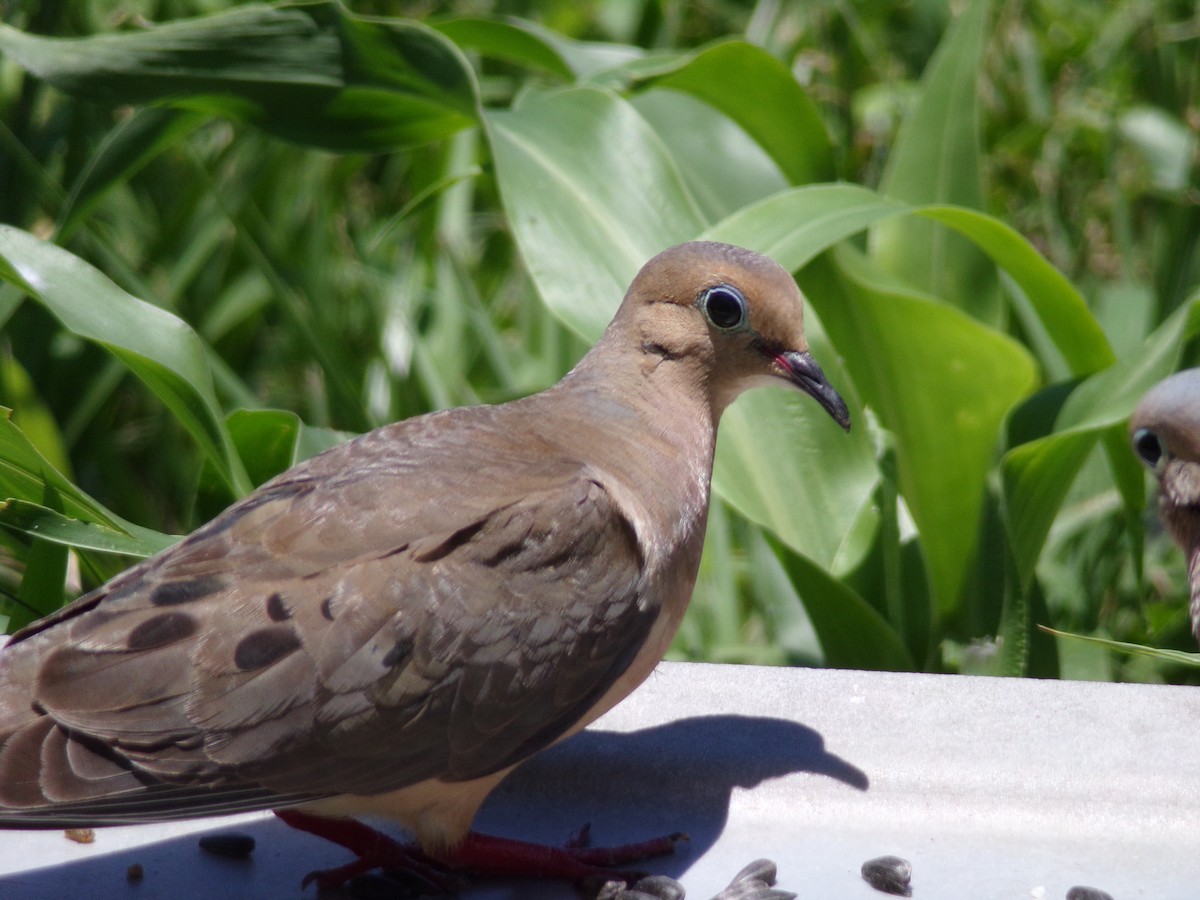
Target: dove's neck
[[648, 424]]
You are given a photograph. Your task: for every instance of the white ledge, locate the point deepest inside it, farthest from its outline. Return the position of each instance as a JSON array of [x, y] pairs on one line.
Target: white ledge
[[992, 788]]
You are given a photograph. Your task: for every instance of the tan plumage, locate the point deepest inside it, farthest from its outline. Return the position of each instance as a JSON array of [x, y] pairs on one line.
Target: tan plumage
[[393, 625], [1165, 429]]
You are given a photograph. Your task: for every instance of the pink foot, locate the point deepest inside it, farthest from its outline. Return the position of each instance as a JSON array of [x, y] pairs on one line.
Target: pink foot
[[478, 854]]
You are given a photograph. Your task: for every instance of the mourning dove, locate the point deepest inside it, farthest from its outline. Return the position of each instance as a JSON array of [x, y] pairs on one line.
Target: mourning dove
[[392, 626], [1165, 429]]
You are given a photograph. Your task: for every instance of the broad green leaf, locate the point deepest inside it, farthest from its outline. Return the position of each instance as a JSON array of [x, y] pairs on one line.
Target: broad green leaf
[[313, 440], [782, 119], [1036, 477], [941, 383], [783, 463], [42, 584], [156, 346], [45, 524], [852, 634], [585, 224], [527, 43], [795, 226], [1109, 397], [26, 475], [265, 439], [1061, 308], [723, 168], [513, 40], [307, 72], [936, 159], [35, 418], [271, 441]]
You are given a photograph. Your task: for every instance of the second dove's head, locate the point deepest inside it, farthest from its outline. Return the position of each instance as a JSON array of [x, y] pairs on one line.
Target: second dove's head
[[1165, 430]]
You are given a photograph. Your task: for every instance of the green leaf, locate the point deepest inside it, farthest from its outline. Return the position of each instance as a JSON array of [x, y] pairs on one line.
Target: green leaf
[[266, 439], [41, 589], [941, 383], [156, 346], [307, 72], [271, 441], [783, 463], [1060, 307], [936, 159], [853, 634], [51, 526], [35, 418], [27, 475], [313, 440], [586, 222], [513, 40], [1175, 657], [723, 168], [527, 43], [782, 119], [795, 226]]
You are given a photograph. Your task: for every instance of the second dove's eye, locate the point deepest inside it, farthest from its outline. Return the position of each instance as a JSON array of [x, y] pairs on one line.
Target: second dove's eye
[[1148, 446], [725, 308]]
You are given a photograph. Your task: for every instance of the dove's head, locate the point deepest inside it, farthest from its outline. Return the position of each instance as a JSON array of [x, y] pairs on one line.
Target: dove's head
[[1165, 430], [731, 317]]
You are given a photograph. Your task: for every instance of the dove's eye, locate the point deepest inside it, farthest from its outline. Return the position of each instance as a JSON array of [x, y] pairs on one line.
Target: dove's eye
[[1148, 446], [725, 308]]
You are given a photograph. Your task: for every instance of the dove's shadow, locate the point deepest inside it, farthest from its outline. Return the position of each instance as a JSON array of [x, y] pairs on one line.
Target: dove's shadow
[[678, 776]]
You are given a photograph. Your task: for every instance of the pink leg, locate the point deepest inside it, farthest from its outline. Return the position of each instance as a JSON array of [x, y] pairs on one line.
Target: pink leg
[[486, 854], [479, 854], [374, 849]]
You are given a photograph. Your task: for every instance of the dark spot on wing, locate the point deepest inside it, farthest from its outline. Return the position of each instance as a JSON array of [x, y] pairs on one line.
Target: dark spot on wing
[[261, 648], [172, 593], [162, 629], [277, 610], [399, 653]]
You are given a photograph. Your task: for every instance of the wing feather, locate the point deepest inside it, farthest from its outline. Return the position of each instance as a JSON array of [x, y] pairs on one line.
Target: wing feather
[[358, 625]]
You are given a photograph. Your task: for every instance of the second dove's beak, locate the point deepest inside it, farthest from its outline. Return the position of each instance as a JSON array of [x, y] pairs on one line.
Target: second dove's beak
[[802, 370]]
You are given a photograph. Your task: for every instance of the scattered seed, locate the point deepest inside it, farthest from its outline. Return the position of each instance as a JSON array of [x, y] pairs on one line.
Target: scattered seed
[[233, 844], [889, 874], [660, 887], [762, 869], [80, 835], [135, 872], [1081, 892], [754, 882], [610, 890]]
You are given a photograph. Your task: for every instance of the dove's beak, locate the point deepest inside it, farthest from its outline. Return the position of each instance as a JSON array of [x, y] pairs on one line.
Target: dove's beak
[[802, 370]]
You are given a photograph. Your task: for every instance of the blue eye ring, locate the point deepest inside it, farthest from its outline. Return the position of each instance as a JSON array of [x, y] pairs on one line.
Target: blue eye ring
[[725, 307]]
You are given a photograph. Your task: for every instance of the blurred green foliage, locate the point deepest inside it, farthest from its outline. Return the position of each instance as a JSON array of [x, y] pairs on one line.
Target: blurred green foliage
[[363, 213]]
